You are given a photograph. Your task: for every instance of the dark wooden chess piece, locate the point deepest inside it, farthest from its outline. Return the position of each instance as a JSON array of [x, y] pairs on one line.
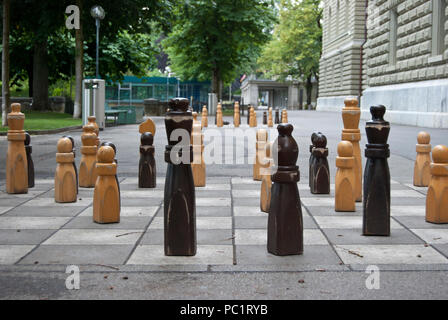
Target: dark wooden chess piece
[[179, 196], [320, 172], [285, 224], [376, 200], [265, 117], [147, 163], [29, 159], [313, 136], [249, 107], [74, 163], [277, 116]]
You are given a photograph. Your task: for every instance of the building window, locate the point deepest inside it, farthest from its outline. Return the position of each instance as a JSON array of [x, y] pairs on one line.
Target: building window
[[438, 26], [393, 25]]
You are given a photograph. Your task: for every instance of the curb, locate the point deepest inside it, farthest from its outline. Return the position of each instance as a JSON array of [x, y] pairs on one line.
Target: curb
[[40, 132]]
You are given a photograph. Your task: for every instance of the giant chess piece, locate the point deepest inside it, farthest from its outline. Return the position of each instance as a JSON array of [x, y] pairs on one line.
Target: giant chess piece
[[320, 172], [260, 153], [147, 163], [270, 122], [74, 156], [92, 121], [277, 116], [219, 121], [350, 116], [249, 108], [179, 196], [29, 159], [236, 114], [422, 173], [204, 117], [147, 126], [285, 224], [344, 194], [310, 173], [265, 118], [437, 196], [65, 183], [16, 163], [266, 181], [106, 197], [110, 144], [198, 164], [284, 116], [87, 166], [376, 202]]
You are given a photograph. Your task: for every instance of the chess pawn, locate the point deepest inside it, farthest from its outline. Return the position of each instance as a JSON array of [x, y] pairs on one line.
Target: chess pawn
[[29, 160], [198, 164], [87, 166], [265, 118], [266, 182], [147, 163], [65, 183], [320, 172], [236, 114], [310, 173], [422, 174], [344, 194], [179, 196], [270, 122], [437, 196], [195, 117], [249, 114], [277, 116], [350, 116], [16, 163], [284, 116], [106, 197], [251, 117], [285, 224], [110, 144], [74, 156], [219, 121], [260, 147], [376, 200], [92, 121], [204, 117]]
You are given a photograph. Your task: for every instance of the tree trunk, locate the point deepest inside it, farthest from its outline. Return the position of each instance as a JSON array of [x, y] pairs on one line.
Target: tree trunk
[[40, 76], [79, 67], [5, 63], [309, 91], [216, 83], [29, 70]]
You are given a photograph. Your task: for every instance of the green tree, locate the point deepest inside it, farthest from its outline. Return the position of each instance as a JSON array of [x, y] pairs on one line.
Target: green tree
[[216, 40], [296, 45]]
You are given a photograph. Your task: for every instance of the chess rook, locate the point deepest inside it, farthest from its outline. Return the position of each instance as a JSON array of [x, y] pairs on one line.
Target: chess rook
[[87, 166], [344, 194], [260, 154], [320, 172], [422, 173], [236, 114], [204, 117], [350, 116], [285, 224], [106, 197], [29, 160], [266, 182], [376, 200], [16, 163], [65, 183], [277, 116], [179, 196], [437, 196], [147, 163]]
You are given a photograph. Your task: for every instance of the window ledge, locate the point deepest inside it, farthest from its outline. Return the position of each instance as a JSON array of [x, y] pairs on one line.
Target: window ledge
[[435, 59]]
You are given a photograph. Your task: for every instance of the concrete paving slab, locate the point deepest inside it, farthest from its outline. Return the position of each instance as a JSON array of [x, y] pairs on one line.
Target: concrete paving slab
[[126, 212], [125, 223], [59, 211], [262, 222], [259, 237], [48, 202], [330, 222], [138, 202], [213, 202], [329, 211], [215, 223], [10, 254], [414, 222], [24, 237], [94, 237], [433, 236], [398, 211], [204, 237], [4, 209], [32, 222], [351, 236]]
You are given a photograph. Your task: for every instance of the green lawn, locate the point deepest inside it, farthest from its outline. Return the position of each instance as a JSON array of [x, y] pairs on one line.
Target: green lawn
[[47, 120]]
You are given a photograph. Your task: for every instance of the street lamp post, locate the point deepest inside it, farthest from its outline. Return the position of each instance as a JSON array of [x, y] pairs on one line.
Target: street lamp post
[[97, 12]]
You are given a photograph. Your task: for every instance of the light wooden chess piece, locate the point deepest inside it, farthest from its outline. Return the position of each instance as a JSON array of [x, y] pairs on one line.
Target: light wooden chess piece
[[87, 168], [219, 121], [262, 138], [236, 114], [195, 117], [251, 117], [198, 164], [437, 196], [270, 121], [92, 121], [16, 162], [266, 182], [422, 173], [106, 197], [204, 117], [284, 116], [344, 195], [147, 126], [65, 184], [350, 116]]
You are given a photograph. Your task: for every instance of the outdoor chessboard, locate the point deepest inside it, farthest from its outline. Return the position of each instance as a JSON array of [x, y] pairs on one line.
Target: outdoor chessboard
[[231, 230]]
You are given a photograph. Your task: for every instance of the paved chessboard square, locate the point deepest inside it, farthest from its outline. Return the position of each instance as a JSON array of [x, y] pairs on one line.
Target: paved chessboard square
[[53, 211], [407, 201], [413, 222], [247, 186], [423, 190], [206, 254], [259, 255], [248, 211], [443, 248], [137, 202], [127, 212], [125, 223], [204, 237], [259, 237], [350, 236], [217, 223], [214, 187], [406, 194], [45, 202], [79, 254], [398, 211], [329, 211], [241, 180], [10, 254], [30, 194], [211, 211], [7, 222], [213, 202], [12, 201], [4, 209], [141, 193], [350, 222], [94, 237], [205, 193], [246, 194], [389, 254], [23, 237], [243, 202], [433, 236], [262, 222]]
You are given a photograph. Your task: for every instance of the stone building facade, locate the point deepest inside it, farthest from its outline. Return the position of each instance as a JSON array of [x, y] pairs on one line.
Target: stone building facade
[[391, 52]]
